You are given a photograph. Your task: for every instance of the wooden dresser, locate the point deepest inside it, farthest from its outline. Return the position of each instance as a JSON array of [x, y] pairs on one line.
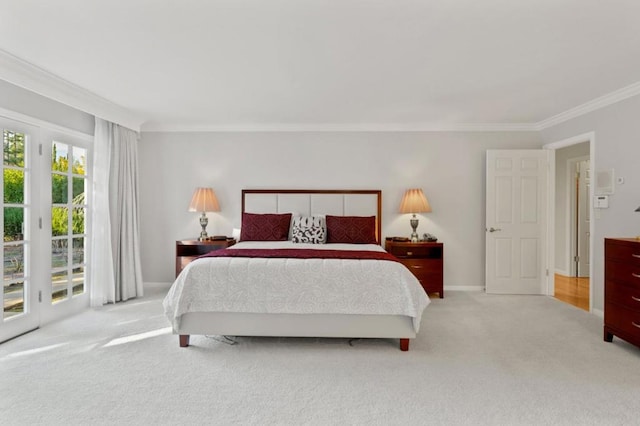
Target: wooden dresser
[[424, 260], [622, 289]]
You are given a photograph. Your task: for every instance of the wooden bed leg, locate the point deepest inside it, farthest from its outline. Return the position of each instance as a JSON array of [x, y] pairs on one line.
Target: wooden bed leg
[[404, 345], [184, 340]]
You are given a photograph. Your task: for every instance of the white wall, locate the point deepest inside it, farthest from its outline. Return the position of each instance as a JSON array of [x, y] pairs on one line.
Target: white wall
[[450, 167], [617, 146]]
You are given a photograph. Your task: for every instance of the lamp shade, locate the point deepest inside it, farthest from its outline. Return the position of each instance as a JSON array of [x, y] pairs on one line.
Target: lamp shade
[[414, 201], [204, 200]]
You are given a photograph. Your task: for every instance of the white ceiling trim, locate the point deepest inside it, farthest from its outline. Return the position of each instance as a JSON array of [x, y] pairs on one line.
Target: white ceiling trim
[[593, 105], [30, 77], [337, 127]]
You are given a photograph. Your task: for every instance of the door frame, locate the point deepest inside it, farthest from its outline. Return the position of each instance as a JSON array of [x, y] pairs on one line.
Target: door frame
[[551, 225], [573, 249]]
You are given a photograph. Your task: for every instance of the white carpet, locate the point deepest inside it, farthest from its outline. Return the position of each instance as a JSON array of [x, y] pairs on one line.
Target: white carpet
[[478, 360]]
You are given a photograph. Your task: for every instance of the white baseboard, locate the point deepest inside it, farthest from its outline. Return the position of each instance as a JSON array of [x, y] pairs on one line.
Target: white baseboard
[[562, 272], [464, 288], [156, 284], [598, 313]]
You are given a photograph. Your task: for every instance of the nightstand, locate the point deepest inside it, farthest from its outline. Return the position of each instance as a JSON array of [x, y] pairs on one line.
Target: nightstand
[[425, 260], [188, 250]]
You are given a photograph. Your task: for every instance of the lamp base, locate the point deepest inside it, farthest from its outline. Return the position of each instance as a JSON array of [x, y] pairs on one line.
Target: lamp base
[[204, 221], [414, 225]]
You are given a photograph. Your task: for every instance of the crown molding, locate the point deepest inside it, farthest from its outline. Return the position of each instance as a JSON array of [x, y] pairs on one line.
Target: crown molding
[[338, 127], [593, 105], [28, 76]]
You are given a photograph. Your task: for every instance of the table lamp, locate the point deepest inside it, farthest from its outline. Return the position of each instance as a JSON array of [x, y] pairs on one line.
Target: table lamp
[[204, 200], [414, 202]]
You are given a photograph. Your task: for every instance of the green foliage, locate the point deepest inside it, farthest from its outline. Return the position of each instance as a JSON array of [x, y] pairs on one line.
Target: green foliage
[[13, 148], [14, 190], [13, 186]]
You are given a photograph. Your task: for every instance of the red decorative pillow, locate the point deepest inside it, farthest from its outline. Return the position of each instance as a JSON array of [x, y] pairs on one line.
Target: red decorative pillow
[[351, 229], [265, 227]]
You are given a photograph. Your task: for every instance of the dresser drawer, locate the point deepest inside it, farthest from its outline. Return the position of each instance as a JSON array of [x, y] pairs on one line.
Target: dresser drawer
[[622, 319], [628, 252], [629, 297], [625, 273]]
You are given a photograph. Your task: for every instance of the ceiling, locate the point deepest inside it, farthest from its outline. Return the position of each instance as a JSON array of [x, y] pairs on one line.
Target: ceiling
[[223, 64]]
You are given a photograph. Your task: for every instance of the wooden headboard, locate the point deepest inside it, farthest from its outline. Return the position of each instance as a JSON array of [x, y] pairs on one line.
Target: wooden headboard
[[307, 202]]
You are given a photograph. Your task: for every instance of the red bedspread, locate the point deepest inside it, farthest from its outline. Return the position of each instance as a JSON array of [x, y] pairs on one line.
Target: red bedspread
[[303, 254]]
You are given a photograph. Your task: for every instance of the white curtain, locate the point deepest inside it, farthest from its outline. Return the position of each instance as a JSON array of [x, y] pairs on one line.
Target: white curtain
[[115, 256]]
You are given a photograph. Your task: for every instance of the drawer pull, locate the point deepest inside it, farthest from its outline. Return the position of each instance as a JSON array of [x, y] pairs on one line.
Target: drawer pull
[[635, 275], [420, 267], [634, 324], [635, 298], [635, 255], [409, 253]]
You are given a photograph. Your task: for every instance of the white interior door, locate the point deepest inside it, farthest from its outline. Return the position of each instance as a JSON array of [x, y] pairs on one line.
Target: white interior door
[[516, 221]]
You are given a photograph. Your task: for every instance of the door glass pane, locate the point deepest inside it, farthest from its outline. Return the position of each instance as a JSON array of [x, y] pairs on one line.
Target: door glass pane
[[13, 148], [59, 221], [59, 284], [13, 299], [59, 253], [13, 186], [78, 251], [78, 220], [13, 223], [59, 189], [78, 190], [60, 157], [78, 280], [13, 262], [79, 160]]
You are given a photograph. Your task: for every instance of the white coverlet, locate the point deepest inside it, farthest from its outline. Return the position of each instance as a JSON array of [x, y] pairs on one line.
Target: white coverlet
[[296, 286]]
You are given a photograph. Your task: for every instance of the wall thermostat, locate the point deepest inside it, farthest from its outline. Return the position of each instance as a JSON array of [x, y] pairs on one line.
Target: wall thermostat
[[601, 202]]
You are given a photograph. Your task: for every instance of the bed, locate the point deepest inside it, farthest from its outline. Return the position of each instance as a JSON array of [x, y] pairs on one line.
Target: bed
[[296, 282]]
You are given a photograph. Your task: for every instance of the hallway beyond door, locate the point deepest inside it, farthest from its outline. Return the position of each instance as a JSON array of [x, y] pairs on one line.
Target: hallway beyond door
[[572, 290]]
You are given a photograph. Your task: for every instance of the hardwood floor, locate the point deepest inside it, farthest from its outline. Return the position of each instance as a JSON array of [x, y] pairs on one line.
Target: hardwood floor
[[572, 290]]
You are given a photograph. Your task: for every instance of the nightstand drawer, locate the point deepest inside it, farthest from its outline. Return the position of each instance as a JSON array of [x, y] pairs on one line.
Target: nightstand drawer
[[424, 269], [423, 259], [189, 250], [416, 251]]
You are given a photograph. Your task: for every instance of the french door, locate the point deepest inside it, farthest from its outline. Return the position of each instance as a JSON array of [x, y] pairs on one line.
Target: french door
[[65, 225], [20, 307], [45, 191]]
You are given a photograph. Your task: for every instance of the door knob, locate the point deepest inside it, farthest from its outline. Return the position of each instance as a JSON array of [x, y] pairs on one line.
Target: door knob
[[492, 229]]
